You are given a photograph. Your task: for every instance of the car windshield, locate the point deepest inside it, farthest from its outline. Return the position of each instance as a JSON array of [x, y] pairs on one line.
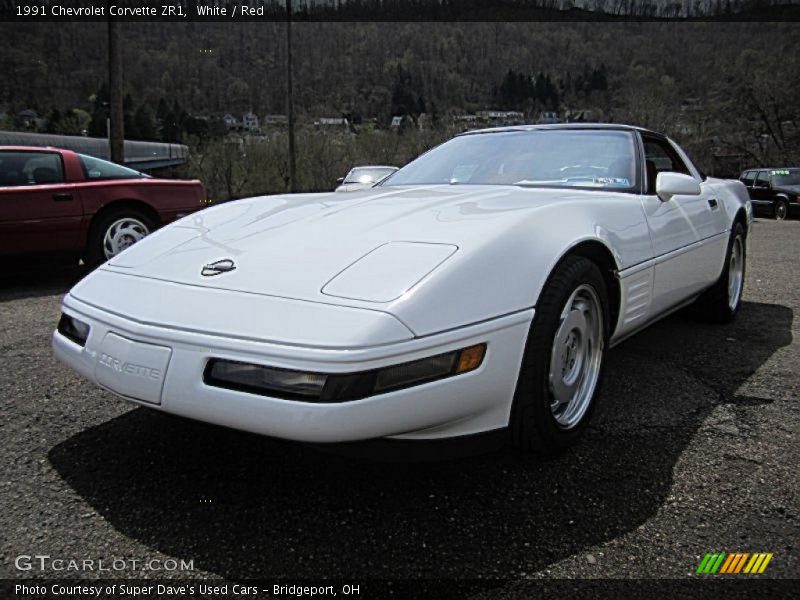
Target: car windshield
[[785, 177], [580, 158], [95, 169], [367, 174]]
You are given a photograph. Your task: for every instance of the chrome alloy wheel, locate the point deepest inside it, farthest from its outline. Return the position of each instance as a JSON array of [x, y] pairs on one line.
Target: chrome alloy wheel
[[735, 272], [576, 356], [121, 234]]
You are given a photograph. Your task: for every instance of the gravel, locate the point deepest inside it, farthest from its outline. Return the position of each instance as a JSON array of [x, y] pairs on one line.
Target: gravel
[[694, 449]]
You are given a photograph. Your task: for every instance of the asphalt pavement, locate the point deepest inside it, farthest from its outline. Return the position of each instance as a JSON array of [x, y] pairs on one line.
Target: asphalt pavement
[[694, 449]]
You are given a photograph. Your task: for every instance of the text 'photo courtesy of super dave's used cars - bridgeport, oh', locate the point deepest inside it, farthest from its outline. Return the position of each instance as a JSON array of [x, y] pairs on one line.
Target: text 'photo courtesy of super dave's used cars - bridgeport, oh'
[[476, 289]]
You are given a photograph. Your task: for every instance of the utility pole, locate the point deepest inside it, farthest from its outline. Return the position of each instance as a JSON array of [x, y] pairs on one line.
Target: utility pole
[[290, 100], [116, 134]]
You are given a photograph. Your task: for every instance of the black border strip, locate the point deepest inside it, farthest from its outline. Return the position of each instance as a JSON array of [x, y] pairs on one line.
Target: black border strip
[[33, 11]]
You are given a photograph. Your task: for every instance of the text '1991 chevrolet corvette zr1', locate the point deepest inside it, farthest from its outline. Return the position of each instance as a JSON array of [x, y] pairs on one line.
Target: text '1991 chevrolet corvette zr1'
[[477, 288]]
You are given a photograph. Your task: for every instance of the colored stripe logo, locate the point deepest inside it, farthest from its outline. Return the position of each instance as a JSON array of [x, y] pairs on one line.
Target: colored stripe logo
[[734, 563]]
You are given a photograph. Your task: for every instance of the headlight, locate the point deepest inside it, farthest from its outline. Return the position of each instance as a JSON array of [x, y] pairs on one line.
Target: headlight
[[328, 388], [73, 329], [255, 378]]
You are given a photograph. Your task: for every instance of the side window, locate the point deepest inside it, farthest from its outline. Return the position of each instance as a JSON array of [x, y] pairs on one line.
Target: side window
[[748, 178], [660, 157], [762, 180], [30, 168]]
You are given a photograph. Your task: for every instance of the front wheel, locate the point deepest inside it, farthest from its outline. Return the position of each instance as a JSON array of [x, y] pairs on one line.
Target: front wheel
[[563, 361], [115, 232]]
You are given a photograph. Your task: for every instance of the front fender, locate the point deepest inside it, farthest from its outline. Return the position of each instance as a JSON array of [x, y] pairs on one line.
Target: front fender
[[505, 272]]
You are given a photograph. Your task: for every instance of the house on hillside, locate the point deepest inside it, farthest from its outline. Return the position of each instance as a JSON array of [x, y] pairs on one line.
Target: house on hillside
[[500, 118], [581, 115], [425, 121], [30, 119], [692, 105], [466, 118], [547, 117], [230, 121], [332, 123], [250, 122], [275, 121]]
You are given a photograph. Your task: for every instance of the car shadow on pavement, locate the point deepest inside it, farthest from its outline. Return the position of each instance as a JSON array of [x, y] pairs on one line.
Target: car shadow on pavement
[[244, 506]]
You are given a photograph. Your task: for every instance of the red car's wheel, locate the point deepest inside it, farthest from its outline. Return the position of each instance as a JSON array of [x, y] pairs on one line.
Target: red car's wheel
[[116, 231]]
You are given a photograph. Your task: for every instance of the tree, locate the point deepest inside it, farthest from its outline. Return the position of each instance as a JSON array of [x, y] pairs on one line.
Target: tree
[[54, 121], [515, 90], [173, 125], [144, 123], [98, 126], [598, 79], [406, 99], [162, 111]]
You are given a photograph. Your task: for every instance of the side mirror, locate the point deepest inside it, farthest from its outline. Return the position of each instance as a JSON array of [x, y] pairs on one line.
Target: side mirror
[[340, 180], [676, 184]]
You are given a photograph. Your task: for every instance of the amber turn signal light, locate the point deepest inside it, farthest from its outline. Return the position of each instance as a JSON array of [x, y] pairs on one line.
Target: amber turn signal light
[[471, 358]]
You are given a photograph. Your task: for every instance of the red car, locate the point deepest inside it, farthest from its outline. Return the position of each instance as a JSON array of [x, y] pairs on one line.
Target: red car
[[58, 202]]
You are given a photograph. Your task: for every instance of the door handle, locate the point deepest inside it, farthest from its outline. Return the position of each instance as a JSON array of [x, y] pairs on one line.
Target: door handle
[[62, 197], [712, 202]]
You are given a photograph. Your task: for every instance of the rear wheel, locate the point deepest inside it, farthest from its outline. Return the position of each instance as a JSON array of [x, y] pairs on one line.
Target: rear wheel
[[721, 302], [562, 365], [116, 231], [780, 210]]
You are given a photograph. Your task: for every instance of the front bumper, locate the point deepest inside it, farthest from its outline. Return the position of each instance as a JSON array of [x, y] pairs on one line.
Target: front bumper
[[172, 378]]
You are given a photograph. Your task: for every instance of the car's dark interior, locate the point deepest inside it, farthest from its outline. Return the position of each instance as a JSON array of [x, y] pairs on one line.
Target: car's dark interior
[[652, 172], [9, 178], [660, 158], [29, 168], [11, 172], [45, 175]]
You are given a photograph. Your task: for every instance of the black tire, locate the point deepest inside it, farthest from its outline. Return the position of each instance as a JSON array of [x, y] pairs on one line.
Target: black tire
[[716, 304], [95, 253], [533, 424], [780, 210]]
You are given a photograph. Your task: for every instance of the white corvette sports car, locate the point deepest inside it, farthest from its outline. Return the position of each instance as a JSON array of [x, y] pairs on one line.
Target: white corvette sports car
[[477, 288]]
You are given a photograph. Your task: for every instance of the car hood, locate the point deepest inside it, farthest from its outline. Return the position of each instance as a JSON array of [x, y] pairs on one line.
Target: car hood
[[366, 249], [293, 245]]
